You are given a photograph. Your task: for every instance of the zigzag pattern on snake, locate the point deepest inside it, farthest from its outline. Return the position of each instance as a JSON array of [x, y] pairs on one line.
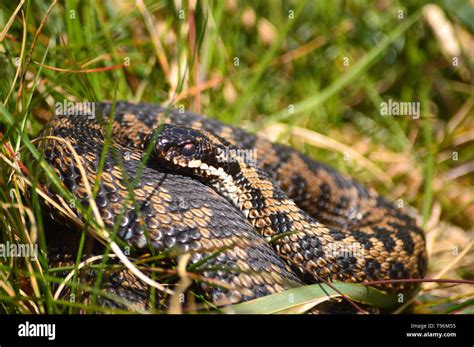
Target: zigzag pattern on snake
[[317, 214]]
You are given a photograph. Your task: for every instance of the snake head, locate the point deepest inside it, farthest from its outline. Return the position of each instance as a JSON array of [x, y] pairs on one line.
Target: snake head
[[181, 148]]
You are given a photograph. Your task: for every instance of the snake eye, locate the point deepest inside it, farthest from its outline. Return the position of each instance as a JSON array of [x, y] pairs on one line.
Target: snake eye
[[189, 149]]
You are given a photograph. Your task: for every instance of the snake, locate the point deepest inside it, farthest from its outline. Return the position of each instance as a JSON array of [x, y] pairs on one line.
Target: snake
[[254, 217]]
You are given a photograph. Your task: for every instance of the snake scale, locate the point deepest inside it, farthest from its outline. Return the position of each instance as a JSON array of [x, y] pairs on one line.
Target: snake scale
[[272, 220]]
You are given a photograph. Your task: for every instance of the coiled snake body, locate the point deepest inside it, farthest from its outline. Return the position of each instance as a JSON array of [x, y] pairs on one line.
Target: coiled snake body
[[274, 223]]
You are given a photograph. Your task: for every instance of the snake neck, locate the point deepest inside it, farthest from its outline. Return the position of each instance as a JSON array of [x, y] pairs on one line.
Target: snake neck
[[252, 190]]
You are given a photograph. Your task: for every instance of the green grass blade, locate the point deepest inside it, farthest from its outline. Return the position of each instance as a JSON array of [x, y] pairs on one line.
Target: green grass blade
[[292, 298], [264, 64], [358, 69]]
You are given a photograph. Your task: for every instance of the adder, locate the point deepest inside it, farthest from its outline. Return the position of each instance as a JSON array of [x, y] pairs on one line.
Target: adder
[[256, 217]]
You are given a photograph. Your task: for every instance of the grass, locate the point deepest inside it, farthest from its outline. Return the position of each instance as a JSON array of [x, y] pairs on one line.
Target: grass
[[310, 74]]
